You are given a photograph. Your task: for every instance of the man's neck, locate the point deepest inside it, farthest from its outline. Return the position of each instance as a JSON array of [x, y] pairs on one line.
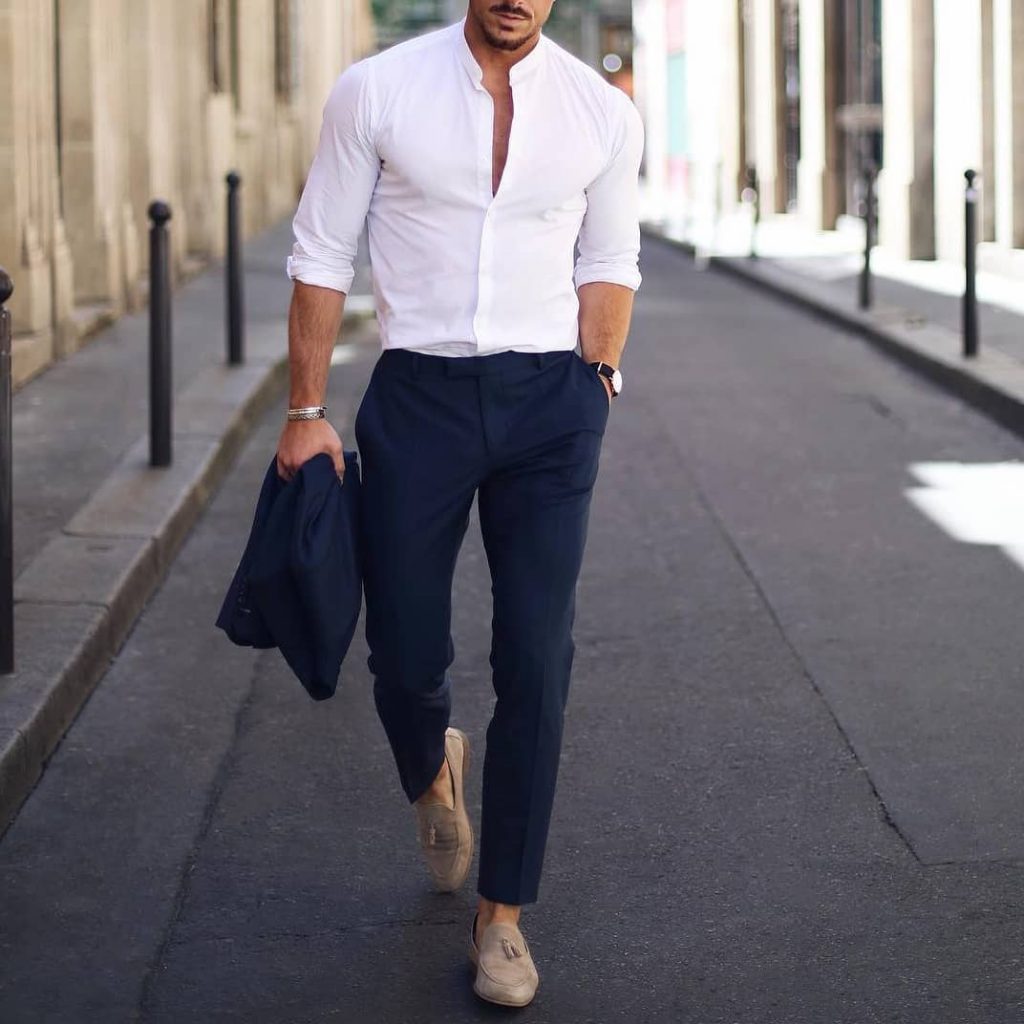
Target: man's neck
[[494, 61]]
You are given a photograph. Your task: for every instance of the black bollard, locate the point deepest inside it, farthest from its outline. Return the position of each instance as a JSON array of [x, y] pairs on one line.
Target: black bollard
[[866, 295], [159, 336], [235, 307], [970, 302], [6, 484], [752, 194]]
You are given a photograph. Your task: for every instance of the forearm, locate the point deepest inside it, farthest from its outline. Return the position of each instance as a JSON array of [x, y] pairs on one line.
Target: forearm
[[314, 320], [605, 312]]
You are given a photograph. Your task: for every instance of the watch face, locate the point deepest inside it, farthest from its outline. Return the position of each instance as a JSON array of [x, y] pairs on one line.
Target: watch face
[[616, 382]]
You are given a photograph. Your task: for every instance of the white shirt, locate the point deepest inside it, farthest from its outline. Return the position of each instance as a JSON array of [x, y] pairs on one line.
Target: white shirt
[[406, 146]]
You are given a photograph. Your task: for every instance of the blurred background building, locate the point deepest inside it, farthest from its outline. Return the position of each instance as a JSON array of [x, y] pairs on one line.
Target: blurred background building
[[597, 31], [112, 103], [807, 92]]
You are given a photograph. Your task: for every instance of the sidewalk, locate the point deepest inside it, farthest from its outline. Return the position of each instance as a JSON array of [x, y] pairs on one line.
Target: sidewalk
[[94, 527], [915, 317]]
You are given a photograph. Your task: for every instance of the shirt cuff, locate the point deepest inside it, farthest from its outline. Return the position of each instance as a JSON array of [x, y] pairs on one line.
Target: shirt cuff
[[321, 273], [609, 273]]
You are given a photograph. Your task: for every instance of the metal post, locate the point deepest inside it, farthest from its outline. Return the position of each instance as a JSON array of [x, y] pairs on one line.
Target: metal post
[[970, 302], [159, 336], [870, 210], [752, 194], [235, 306], [6, 485]]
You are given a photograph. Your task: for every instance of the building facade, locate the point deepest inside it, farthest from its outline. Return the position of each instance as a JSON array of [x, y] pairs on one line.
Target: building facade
[[599, 32], [112, 103], [810, 92]]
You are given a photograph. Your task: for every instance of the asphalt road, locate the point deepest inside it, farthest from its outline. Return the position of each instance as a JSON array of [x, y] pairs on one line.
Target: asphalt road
[[792, 770]]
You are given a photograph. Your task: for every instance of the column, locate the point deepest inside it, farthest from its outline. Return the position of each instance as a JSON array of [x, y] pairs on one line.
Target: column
[[1008, 104], [818, 173], [987, 211], [219, 126], [88, 44], [256, 136], [1017, 88], [151, 125], [118, 141], [33, 246], [906, 184], [765, 107], [958, 110], [649, 78], [710, 34], [729, 51], [202, 200]]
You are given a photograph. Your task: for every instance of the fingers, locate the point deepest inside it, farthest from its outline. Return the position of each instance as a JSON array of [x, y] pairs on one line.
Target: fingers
[[301, 441], [284, 472], [287, 470]]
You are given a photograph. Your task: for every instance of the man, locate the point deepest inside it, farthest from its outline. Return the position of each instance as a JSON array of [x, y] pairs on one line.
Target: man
[[477, 155]]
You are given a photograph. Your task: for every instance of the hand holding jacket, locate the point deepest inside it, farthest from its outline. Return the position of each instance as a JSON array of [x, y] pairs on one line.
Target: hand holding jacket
[[298, 586]]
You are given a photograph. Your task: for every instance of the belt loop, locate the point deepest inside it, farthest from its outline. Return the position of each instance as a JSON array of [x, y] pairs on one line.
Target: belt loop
[[415, 364], [538, 358]]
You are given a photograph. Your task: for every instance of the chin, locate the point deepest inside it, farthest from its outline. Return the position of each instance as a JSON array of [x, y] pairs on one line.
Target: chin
[[507, 40]]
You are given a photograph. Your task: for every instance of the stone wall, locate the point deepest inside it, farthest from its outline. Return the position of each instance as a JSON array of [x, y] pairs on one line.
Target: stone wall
[[111, 103]]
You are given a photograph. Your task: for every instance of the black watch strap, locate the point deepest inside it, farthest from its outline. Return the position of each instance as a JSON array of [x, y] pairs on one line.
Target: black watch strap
[[604, 369]]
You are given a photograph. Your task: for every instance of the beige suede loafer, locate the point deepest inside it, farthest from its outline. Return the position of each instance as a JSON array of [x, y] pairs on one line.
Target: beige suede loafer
[[445, 834], [505, 971]]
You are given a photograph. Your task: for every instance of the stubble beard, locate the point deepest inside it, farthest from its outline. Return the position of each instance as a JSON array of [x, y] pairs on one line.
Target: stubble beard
[[504, 42]]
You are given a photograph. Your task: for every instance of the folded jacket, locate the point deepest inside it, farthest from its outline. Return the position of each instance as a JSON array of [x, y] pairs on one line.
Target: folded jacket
[[298, 586]]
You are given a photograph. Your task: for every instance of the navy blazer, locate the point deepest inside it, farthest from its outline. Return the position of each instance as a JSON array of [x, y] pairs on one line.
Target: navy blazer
[[299, 584]]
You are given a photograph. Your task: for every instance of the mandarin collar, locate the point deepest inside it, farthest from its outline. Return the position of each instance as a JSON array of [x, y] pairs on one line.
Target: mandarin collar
[[520, 70]]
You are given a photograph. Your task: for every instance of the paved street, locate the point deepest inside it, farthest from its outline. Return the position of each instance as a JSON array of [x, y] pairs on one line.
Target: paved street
[[790, 790]]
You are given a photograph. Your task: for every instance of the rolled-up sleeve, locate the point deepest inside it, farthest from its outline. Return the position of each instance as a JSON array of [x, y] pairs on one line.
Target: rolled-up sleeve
[[609, 240], [339, 187]]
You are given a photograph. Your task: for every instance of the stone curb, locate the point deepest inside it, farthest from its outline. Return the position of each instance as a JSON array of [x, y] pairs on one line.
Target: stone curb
[[78, 599], [992, 382]]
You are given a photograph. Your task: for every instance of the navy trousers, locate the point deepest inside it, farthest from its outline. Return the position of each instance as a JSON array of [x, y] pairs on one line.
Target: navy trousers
[[521, 433]]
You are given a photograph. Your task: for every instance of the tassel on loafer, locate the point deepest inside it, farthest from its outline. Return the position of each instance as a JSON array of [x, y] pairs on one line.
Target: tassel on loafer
[[505, 971]]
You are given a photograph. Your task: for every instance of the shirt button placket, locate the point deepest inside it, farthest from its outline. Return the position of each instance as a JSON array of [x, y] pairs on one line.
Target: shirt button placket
[[486, 279], [485, 275]]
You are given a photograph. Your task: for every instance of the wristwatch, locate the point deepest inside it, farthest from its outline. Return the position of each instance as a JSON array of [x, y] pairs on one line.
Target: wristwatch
[[612, 374]]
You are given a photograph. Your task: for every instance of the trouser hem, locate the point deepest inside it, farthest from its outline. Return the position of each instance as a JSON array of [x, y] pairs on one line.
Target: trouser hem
[[513, 897], [414, 793]]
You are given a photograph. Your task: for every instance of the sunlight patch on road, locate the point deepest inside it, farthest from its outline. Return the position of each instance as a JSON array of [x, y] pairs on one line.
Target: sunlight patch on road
[[975, 503]]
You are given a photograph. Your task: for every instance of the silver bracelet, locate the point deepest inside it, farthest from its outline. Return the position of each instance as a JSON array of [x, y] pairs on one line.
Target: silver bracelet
[[308, 412]]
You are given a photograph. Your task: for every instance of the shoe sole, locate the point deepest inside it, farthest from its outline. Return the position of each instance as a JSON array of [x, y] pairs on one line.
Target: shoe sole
[[501, 1002]]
